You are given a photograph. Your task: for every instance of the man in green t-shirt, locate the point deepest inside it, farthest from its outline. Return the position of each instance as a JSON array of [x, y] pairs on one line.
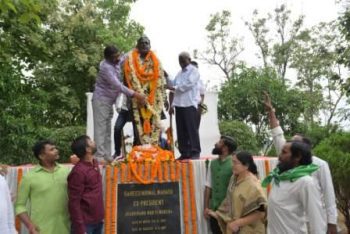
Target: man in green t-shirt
[[218, 176], [45, 188]]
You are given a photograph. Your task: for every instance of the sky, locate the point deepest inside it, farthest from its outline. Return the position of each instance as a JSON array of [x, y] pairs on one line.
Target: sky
[[174, 26]]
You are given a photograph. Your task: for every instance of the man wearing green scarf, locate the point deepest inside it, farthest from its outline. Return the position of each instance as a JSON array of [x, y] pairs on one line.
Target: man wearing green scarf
[[294, 193]]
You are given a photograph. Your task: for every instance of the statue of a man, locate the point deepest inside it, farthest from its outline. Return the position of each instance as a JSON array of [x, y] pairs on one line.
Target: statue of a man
[[144, 74]]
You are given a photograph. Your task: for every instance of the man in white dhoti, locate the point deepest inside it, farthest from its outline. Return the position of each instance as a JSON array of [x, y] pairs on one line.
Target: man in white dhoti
[[294, 194], [322, 176]]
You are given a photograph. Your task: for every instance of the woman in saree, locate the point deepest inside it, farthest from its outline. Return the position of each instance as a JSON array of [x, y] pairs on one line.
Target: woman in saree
[[243, 210]]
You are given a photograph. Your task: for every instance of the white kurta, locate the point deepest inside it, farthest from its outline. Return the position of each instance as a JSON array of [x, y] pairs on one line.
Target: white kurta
[[7, 219], [322, 176], [288, 202]]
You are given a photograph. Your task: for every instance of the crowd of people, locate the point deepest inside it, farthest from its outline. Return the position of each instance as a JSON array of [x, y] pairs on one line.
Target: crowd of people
[[301, 199]]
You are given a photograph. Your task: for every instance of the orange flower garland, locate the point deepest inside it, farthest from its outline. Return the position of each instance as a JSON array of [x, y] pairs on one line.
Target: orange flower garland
[[129, 175], [172, 171], [122, 173], [19, 179], [166, 171], [143, 77], [185, 198], [114, 199], [267, 171], [146, 173], [108, 201], [146, 155], [178, 168], [193, 200]]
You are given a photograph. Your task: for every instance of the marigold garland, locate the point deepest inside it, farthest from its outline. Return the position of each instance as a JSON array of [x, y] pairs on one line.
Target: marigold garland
[[193, 200], [185, 198], [267, 172], [146, 173], [149, 156], [108, 202], [178, 168], [122, 173], [160, 173], [172, 171], [114, 199], [19, 179], [146, 79], [128, 175], [166, 171]]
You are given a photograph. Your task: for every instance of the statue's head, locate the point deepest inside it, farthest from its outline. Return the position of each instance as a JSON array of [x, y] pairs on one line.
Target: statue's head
[[143, 45]]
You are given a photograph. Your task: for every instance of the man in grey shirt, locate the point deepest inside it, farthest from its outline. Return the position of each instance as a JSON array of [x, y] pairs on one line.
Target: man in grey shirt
[[107, 88]]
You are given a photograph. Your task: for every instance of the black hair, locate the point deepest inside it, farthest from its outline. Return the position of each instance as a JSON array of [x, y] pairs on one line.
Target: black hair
[[304, 139], [79, 146], [230, 143], [246, 159], [109, 51], [303, 150], [39, 147]]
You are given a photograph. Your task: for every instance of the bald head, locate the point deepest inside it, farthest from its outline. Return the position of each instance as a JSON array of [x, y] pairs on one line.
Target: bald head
[[184, 59]]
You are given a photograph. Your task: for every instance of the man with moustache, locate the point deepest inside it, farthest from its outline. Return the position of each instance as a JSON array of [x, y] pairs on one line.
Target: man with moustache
[[45, 187], [322, 176], [294, 194], [85, 189], [108, 86], [218, 177]]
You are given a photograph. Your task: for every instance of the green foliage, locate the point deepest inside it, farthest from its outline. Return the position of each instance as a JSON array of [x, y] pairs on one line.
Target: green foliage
[[336, 151], [241, 99], [50, 52], [242, 133], [223, 48]]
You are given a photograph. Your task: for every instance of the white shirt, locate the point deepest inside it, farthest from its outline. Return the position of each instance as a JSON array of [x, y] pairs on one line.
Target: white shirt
[[201, 90], [287, 204], [186, 87], [322, 176], [7, 219]]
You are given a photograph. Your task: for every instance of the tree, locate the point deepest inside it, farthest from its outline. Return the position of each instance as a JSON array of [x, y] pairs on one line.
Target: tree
[[49, 58], [242, 133], [335, 150], [224, 49], [276, 52], [240, 99], [319, 72]]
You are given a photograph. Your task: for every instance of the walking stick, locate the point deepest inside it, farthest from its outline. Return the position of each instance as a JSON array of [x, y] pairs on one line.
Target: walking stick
[[169, 133]]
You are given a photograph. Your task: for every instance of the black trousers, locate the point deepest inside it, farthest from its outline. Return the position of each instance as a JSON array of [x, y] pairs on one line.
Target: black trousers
[[187, 132]]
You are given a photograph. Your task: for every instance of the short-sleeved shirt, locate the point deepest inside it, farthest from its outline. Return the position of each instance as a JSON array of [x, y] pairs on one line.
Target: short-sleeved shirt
[[47, 193]]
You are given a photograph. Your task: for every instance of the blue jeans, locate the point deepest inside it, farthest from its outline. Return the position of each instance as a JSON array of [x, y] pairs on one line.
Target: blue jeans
[[94, 228]]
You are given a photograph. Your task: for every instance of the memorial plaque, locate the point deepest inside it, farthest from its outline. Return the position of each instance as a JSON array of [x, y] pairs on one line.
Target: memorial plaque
[[152, 208]]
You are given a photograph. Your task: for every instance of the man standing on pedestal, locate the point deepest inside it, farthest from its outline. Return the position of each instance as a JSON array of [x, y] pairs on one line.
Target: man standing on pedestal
[[185, 88]]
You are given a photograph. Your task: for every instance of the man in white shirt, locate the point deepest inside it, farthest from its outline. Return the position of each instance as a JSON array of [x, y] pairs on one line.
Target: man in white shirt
[[322, 176], [294, 193], [185, 102], [200, 96], [7, 219]]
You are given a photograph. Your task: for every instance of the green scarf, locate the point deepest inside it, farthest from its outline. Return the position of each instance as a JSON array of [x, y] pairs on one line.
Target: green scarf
[[291, 175]]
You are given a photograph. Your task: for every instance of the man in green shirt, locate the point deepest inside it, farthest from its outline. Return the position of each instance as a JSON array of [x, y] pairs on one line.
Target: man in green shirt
[[218, 177], [45, 188]]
